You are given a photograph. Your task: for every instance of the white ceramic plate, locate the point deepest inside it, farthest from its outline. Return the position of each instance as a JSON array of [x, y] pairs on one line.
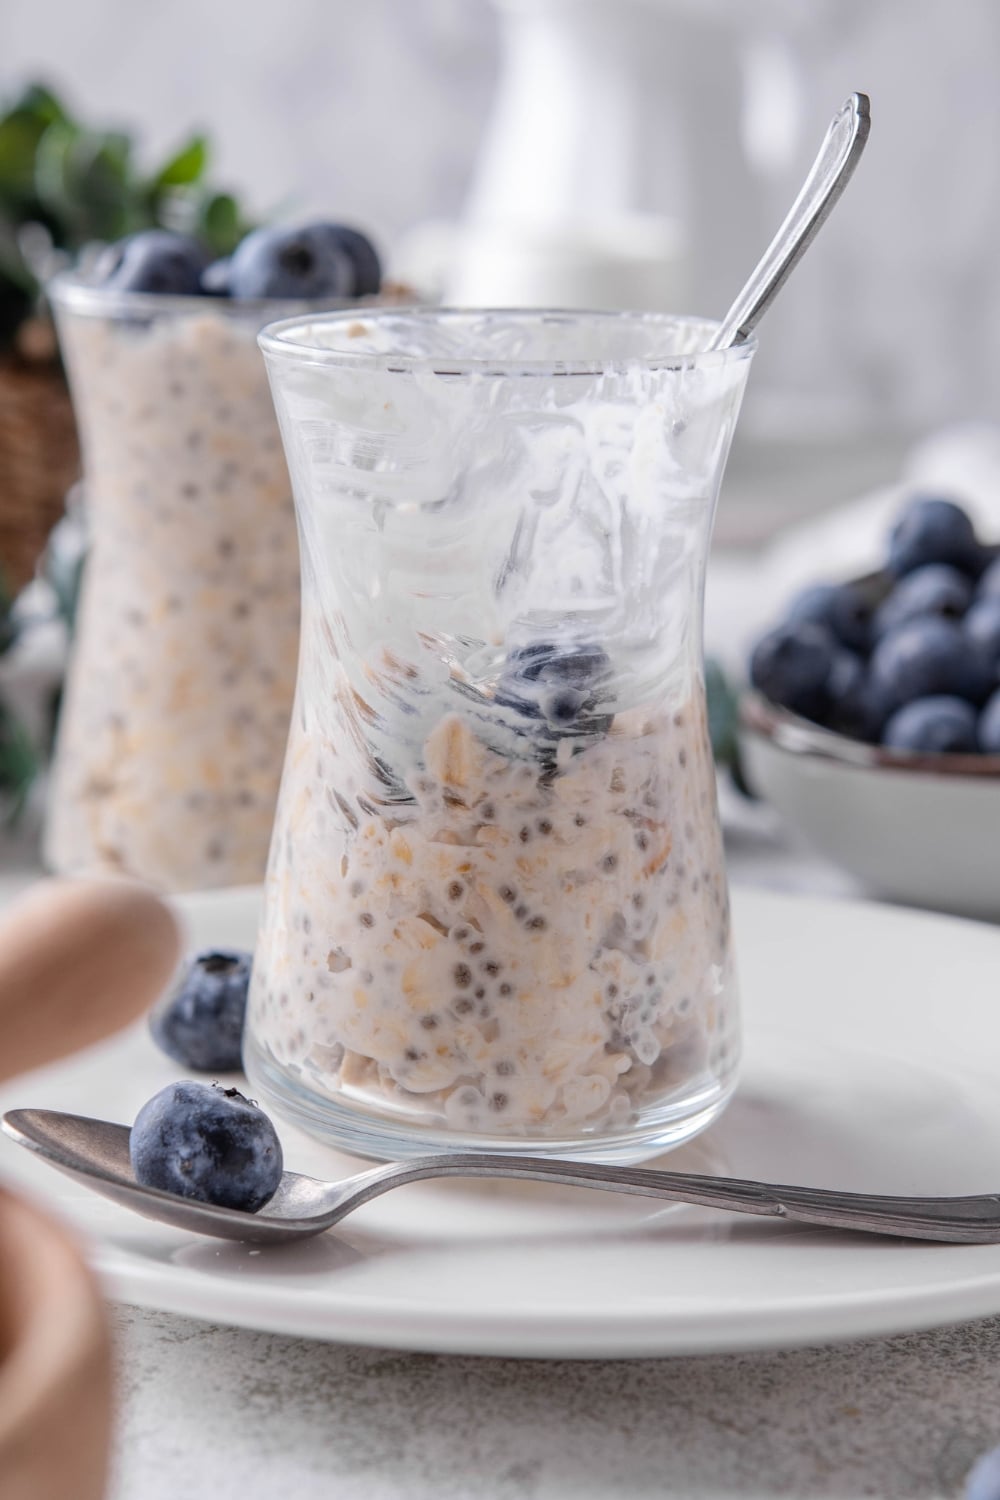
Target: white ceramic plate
[[873, 1046]]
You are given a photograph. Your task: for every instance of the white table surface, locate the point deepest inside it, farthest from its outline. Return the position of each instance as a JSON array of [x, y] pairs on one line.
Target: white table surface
[[214, 1413]]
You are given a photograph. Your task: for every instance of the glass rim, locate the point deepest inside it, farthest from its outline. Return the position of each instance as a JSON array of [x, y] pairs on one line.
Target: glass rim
[[76, 291], [275, 342]]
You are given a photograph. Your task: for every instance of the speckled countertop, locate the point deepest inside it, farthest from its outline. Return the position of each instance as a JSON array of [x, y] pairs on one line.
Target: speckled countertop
[[214, 1412]]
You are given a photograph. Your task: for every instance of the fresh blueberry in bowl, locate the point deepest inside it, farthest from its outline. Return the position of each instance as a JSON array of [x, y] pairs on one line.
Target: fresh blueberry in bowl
[[791, 665], [851, 707], [200, 1022], [935, 589], [933, 529], [989, 582], [926, 657], [941, 725], [844, 608], [898, 782], [154, 260], [291, 263], [982, 625], [557, 682], [209, 1143]]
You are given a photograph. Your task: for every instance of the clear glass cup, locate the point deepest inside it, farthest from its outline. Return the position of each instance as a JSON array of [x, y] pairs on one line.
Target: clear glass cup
[[496, 912], [179, 691]]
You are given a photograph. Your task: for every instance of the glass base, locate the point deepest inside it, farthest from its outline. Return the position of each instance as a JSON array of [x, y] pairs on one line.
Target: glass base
[[378, 1137]]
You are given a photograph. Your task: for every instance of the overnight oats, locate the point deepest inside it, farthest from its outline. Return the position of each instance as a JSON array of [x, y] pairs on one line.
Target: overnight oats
[[496, 906], [175, 717]]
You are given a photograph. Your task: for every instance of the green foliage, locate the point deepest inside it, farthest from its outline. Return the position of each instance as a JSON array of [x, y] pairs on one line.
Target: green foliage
[[186, 167], [18, 766], [82, 185], [723, 713], [18, 757], [219, 222]]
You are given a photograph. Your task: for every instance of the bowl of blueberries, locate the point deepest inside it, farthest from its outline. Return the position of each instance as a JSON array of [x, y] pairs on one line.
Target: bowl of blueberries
[[873, 719]]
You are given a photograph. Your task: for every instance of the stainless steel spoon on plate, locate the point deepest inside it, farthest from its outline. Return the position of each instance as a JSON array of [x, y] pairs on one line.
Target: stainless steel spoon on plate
[[96, 1151], [830, 173]]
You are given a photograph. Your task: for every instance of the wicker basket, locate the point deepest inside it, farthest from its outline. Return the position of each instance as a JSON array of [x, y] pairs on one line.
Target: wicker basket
[[39, 458]]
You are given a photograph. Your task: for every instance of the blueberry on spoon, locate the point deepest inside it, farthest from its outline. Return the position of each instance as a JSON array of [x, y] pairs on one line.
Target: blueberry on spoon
[[208, 1143]]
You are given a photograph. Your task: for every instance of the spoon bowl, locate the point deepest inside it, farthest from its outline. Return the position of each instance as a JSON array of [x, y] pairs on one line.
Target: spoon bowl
[[97, 1152]]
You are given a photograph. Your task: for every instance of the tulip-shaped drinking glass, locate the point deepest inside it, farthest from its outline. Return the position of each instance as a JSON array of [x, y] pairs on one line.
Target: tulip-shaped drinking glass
[[496, 910]]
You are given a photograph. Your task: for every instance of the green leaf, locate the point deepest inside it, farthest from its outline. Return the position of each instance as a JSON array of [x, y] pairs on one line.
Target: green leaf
[[100, 183], [20, 133], [186, 166], [220, 223], [39, 100], [52, 169], [82, 180]]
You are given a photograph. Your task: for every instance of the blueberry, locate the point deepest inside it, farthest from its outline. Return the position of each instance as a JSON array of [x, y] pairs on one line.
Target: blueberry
[[360, 252], [940, 723], [209, 1143], [564, 706], [791, 665], [851, 707], [843, 608], [983, 1479], [988, 730], [927, 657], [989, 583], [155, 260], [558, 682], [215, 278], [932, 530], [935, 589], [982, 625], [200, 1023], [291, 263]]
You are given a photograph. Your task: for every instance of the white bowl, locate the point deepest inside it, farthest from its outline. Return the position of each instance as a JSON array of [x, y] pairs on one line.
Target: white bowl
[[919, 829]]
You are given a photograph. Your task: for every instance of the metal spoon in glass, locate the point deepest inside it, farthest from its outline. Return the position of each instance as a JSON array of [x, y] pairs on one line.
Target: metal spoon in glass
[[831, 171], [96, 1151]]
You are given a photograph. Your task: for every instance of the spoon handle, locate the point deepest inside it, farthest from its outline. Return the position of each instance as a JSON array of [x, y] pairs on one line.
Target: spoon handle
[[831, 171], [971, 1220]]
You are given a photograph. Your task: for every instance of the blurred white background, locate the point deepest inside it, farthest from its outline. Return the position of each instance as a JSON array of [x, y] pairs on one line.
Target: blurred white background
[[547, 124]]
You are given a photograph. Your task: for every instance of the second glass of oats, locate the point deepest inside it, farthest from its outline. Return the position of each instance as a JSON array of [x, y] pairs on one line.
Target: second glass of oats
[[179, 692], [496, 909]]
